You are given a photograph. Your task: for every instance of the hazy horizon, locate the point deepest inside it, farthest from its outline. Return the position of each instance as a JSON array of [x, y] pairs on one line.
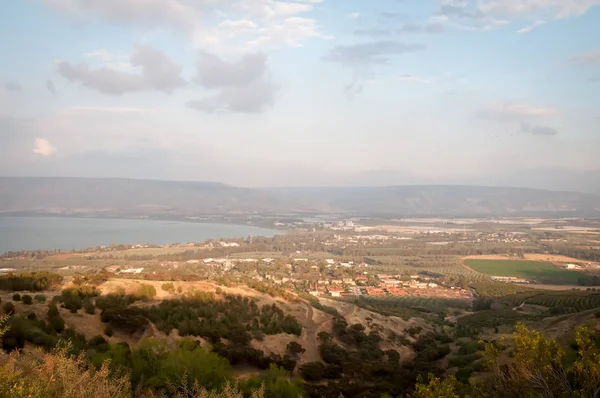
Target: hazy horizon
[[271, 93]]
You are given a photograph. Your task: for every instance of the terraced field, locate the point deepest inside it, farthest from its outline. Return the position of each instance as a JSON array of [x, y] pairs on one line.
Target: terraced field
[[559, 302], [428, 304]]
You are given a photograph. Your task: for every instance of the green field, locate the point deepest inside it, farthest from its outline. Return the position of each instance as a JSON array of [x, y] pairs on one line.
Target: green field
[[532, 270]]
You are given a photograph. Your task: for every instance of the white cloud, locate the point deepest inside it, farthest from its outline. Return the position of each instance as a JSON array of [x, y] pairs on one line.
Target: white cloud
[[172, 14], [556, 8], [354, 15], [158, 73], [41, 146], [491, 14], [288, 32], [243, 86], [529, 28]]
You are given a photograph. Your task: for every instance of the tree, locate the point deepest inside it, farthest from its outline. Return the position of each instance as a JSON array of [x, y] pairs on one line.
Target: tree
[[313, 371], [447, 388], [294, 348], [40, 298], [16, 297], [9, 308], [27, 299]]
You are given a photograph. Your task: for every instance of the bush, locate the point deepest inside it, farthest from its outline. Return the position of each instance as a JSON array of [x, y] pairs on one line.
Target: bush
[[16, 297], [52, 311], [40, 298], [9, 308], [145, 292], [294, 348], [89, 306], [313, 371], [57, 323], [108, 330], [168, 287], [27, 299]]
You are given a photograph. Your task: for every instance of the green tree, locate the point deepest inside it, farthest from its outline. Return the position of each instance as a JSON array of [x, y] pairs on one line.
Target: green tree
[[436, 388], [27, 299], [294, 349]]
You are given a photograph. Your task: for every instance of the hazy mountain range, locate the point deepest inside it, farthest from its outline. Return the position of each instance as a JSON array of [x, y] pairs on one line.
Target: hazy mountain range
[[129, 197]]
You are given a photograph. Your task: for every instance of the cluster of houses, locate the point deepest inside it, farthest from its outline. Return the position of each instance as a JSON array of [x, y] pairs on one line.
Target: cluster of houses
[[416, 286]]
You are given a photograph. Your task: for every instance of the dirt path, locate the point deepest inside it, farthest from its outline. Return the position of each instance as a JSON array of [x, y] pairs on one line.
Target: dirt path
[[314, 328]]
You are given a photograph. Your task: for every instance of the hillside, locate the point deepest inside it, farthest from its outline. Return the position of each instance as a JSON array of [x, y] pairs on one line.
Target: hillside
[[449, 200], [127, 197]]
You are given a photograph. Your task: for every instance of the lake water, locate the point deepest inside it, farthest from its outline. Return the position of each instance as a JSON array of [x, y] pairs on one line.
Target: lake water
[[49, 233]]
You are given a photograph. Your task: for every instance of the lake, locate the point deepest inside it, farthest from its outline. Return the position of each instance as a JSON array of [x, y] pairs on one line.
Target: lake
[[49, 233]]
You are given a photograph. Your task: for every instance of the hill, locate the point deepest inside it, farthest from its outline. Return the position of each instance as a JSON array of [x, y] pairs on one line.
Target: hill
[[132, 198], [450, 200]]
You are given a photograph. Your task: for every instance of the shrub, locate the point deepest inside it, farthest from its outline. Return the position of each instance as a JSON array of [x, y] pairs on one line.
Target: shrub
[[57, 323], [9, 308], [40, 298], [27, 299], [108, 330], [57, 374], [89, 306], [294, 348], [145, 292], [313, 371], [52, 311], [168, 287], [16, 297]]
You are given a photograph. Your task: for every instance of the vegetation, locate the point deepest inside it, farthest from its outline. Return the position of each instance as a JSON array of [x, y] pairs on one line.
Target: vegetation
[[32, 281], [498, 289], [40, 298], [533, 270]]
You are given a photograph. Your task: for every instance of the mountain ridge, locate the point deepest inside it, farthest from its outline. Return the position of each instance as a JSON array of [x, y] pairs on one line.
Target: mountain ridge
[[137, 197]]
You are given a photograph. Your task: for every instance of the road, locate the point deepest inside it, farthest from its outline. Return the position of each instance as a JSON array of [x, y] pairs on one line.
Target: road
[[314, 328]]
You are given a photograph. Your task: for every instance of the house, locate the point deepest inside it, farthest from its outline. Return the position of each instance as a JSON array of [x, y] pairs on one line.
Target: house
[[335, 282], [132, 271], [572, 266], [335, 291], [193, 261], [346, 265], [330, 261], [314, 292], [375, 291], [433, 285], [396, 291], [361, 278], [390, 282]]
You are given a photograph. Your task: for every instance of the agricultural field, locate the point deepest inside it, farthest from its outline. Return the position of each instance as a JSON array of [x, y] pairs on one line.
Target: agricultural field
[[531, 270], [426, 304], [558, 302]]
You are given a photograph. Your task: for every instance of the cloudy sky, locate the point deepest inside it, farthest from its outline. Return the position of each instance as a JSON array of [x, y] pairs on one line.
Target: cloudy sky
[[303, 92]]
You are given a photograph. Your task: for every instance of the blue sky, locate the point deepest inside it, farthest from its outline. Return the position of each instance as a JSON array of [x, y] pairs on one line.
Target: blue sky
[[304, 92]]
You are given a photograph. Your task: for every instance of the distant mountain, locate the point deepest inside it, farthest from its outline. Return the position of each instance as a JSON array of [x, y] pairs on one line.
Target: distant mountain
[[131, 198], [450, 200], [128, 197]]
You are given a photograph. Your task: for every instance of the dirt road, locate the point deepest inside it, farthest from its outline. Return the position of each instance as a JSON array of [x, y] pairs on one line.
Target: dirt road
[[314, 328]]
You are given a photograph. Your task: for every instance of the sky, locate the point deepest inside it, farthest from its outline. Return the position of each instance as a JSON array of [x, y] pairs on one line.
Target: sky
[[303, 93]]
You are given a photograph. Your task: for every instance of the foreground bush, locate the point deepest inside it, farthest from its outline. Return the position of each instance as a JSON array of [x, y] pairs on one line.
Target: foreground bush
[[55, 374]]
